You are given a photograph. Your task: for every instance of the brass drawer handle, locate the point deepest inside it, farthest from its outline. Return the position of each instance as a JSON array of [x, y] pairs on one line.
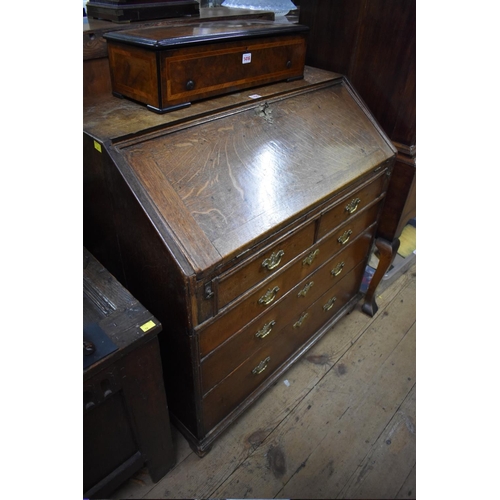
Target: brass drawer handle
[[265, 330], [303, 292], [273, 261], [345, 237], [353, 205], [337, 269], [261, 366], [301, 320], [269, 296], [329, 304], [309, 259]]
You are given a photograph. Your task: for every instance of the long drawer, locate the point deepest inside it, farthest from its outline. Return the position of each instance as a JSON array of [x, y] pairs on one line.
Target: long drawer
[[258, 367], [271, 291], [263, 329]]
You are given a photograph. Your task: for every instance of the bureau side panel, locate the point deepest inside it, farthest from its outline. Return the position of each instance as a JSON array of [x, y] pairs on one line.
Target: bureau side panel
[[146, 267]]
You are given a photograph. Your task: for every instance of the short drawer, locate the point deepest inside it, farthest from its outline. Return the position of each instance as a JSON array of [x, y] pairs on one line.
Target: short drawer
[[266, 327], [265, 264], [233, 390], [351, 205]]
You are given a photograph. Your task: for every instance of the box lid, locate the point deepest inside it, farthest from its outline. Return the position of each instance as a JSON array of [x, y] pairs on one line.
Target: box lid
[[166, 37]]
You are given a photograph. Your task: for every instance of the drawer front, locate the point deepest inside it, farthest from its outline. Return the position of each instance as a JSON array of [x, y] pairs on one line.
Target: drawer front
[[192, 74], [257, 368], [233, 320], [264, 265], [266, 327], [351, 206]]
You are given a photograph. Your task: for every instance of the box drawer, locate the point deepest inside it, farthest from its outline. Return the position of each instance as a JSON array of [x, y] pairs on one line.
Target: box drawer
[[264, 265], [266, 327], [351, 205], [226, 396]]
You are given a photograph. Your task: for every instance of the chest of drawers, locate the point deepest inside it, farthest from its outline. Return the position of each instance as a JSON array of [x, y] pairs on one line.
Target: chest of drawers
[[245, 230]]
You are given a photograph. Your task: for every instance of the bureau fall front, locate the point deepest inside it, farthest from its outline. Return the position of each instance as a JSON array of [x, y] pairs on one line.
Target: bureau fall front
[[244, 225]]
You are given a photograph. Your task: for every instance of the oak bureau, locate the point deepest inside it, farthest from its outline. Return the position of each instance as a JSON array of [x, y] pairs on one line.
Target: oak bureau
[[243, 224]]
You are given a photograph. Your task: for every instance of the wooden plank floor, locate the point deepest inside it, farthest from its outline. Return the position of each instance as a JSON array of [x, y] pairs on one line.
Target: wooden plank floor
[[339, 424]]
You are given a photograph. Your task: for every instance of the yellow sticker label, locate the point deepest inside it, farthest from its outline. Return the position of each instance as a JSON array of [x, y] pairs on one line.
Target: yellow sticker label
[[97, 146], [147, 326]]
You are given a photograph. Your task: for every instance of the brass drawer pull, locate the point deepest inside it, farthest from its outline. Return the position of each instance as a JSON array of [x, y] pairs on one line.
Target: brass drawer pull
[[265, 330], [353, 206], [329, 304], [261, 366], [337, 269], [273, 261], [345, 237], [303, 292], [269, 296], [309, 259], [301, 320]]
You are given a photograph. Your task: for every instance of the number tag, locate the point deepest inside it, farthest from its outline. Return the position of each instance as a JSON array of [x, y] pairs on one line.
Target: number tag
[[247, 58]]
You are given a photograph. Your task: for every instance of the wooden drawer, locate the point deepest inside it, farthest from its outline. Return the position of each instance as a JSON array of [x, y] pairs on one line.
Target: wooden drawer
[[351, 204], [237, 317], [258, 367], [264, 329], [264, 265]]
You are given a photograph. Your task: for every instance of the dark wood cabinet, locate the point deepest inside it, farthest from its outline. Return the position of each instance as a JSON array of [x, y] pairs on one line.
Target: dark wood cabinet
[[243, 224], [373, 42], [126, 423]]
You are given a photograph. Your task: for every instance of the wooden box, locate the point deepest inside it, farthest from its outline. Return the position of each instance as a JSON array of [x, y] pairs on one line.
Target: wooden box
[[244, 225], [123, 11], [125, 415], [170, 67]]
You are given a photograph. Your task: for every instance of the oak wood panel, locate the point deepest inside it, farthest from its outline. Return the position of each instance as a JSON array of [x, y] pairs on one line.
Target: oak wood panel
[[234, 318], [238, 347], [235, 195], [239, 384]]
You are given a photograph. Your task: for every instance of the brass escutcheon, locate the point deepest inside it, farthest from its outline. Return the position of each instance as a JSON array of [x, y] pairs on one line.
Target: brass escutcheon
[[273, 261], [353, 205], [265, 330], [269, 296], [261, 366], [345, 237], [309, 259], [303, 292], [329, 304], [301, 320], [337, 269]]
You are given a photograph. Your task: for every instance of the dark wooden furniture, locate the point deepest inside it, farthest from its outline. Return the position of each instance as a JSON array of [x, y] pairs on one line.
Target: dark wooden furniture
[[124, 11], [373, 43], [243, 224], [96, 77], [125, 416], [170, 67]]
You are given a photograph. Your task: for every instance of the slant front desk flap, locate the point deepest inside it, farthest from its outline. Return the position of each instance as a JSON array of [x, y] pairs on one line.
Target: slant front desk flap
[[246, 232], [170, 67]]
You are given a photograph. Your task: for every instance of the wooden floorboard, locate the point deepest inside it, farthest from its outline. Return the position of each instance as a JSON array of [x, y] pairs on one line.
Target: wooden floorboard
[[339, 424]]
